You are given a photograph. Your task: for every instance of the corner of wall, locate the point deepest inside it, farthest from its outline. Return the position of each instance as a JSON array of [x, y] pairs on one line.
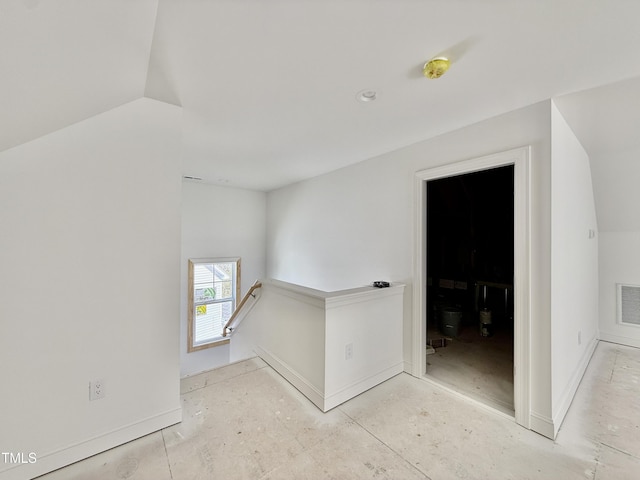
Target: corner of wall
[[101, 247]]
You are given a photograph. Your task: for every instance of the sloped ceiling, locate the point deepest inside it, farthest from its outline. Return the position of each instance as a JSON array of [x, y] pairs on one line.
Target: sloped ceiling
[[62, 61], [268, 87], [606, 120]]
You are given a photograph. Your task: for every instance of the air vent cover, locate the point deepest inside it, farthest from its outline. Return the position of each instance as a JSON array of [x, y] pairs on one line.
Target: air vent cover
[[629, 304]]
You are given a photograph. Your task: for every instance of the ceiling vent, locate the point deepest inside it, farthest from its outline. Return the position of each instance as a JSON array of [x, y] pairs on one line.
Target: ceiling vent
[[629, 304]]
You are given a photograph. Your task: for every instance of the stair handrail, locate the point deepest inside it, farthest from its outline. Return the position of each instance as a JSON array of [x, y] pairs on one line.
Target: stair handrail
[[227, 327]]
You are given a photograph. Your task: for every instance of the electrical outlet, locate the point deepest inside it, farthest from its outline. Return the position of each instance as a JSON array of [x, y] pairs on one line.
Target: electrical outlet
[[96, 390], [579, 337], [348, 351]]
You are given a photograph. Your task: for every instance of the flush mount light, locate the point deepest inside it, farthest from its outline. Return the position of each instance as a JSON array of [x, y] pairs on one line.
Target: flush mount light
[[366, 95], [436, 67]]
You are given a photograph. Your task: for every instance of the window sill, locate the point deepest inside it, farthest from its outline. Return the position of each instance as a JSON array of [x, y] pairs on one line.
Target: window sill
[[214, 343]]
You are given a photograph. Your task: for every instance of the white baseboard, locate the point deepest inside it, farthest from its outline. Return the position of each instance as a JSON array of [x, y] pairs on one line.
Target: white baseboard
[[408, 367], [293, 377], [628, 341], [326, 402], [73, 453], [347, 393], [572, 387], [542, 425]]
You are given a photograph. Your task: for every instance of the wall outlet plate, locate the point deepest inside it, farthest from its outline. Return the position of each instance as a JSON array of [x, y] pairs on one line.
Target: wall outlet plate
[[348, 351], [96, 390]]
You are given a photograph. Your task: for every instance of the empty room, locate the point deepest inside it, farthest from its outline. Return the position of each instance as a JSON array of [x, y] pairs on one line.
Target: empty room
[[319, 239]]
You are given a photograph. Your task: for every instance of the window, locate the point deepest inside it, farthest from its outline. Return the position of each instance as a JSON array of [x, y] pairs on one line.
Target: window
[[214, 287]]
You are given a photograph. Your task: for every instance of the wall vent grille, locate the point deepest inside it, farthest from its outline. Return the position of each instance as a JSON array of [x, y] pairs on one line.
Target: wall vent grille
[[629, 304]]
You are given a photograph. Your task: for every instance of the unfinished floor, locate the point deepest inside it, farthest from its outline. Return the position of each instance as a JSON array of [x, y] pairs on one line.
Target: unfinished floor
[[245, 422], [477, 366]]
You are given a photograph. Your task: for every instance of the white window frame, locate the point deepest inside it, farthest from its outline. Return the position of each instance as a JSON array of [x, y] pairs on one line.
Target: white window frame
[[192, 345]]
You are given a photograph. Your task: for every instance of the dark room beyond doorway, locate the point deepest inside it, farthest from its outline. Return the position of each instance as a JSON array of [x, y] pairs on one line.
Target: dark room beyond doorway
[[470, 271]]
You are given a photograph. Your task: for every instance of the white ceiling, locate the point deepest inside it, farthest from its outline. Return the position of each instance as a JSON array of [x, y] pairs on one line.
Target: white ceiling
[[606, 120], [268, 87], [64, 61]]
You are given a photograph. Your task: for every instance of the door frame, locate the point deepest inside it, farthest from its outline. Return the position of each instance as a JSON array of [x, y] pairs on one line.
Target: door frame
[[520, 159]]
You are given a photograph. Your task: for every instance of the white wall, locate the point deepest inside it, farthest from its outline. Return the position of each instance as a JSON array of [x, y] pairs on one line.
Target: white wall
[[615, 183], [355, 225], [574, 264], [90, 249], [616, 175], [219, 222], [370, 322], [303, 334], [291, 333]]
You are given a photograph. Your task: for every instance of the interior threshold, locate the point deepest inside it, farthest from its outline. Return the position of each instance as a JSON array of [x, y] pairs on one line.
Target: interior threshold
[[487, 404]]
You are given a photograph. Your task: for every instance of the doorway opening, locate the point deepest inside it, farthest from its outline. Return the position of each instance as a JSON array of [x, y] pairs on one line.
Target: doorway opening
[[517, 299], [470, 272]]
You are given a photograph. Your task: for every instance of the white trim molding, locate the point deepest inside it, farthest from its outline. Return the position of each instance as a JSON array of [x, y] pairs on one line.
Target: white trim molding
[[312, 392], [619, 339], [572, 387], [520, 159], [54, 460], [542, 424]]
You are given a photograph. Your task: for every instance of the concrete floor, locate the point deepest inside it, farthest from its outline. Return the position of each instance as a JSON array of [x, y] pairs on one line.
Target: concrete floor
[[477, 366], [245, 422]]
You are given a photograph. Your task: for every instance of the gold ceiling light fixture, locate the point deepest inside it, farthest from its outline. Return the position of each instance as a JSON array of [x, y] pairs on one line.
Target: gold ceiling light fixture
[[436, 67]]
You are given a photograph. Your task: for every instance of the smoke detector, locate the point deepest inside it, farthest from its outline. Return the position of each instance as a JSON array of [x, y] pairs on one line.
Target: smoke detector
[[367, 95]]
